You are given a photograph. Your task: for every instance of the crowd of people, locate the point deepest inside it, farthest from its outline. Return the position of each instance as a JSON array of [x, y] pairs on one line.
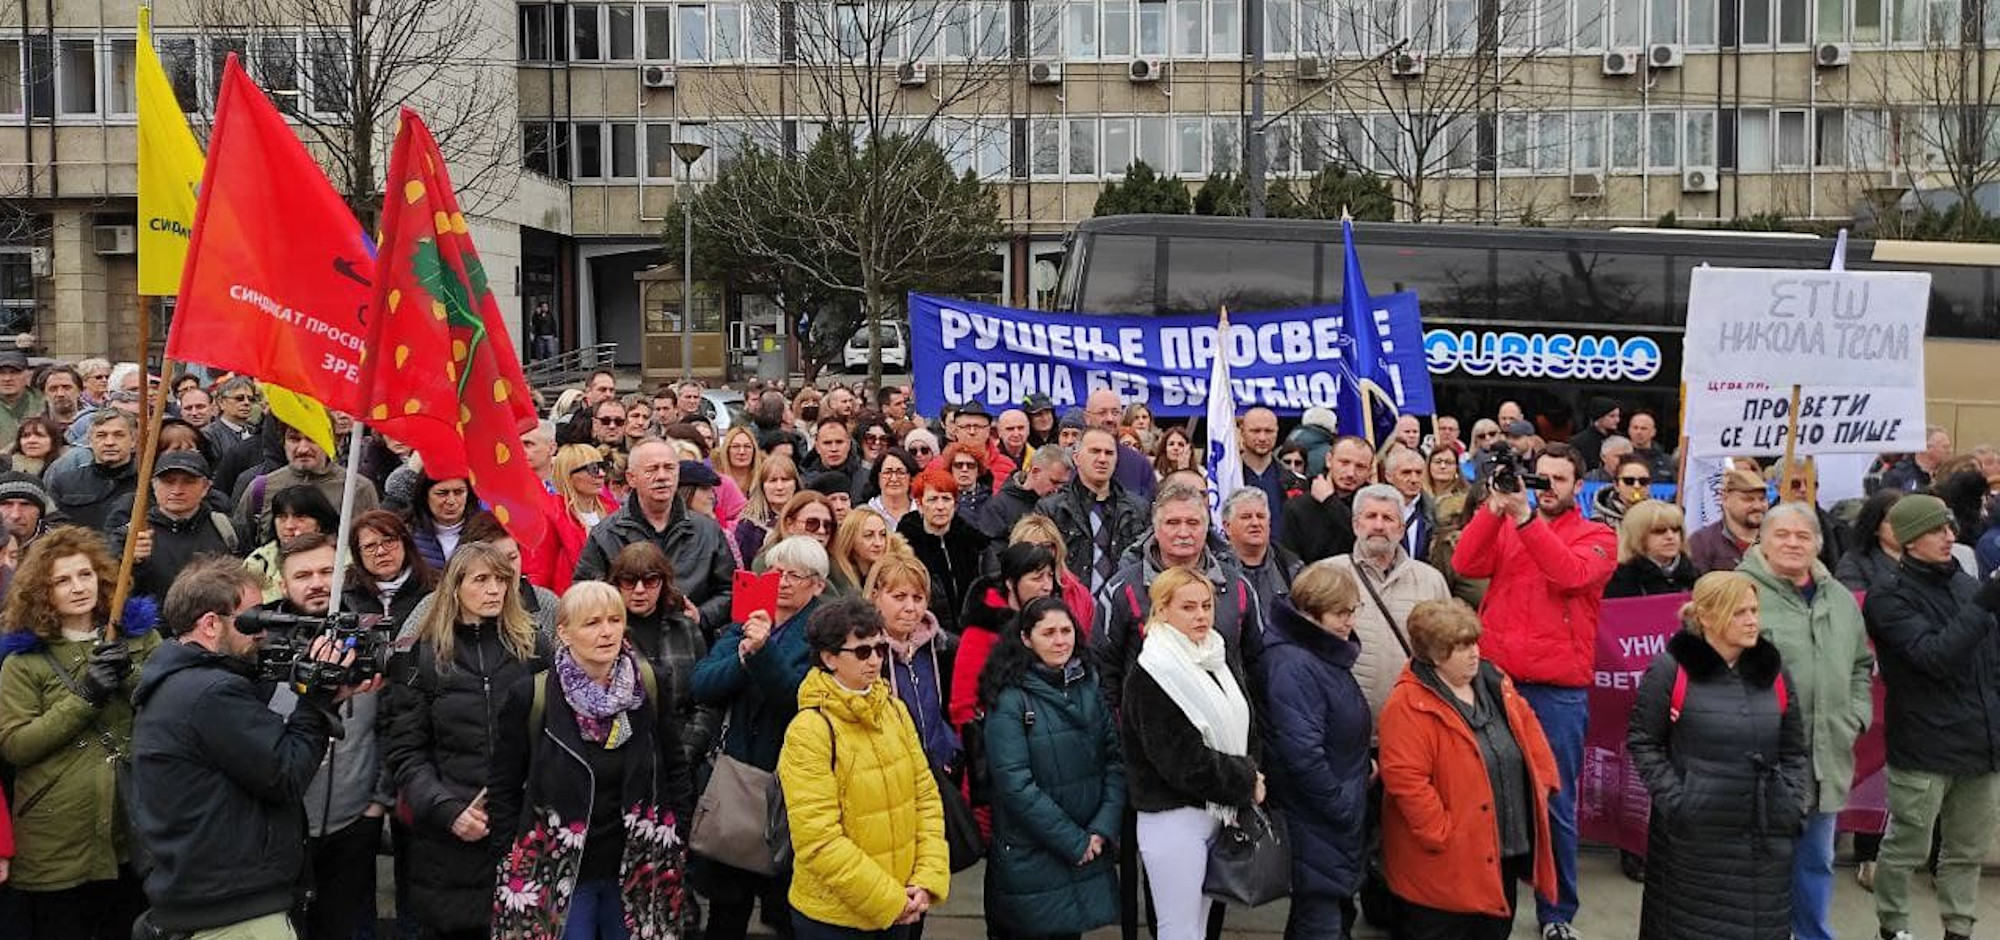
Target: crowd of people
[[1021, 638]]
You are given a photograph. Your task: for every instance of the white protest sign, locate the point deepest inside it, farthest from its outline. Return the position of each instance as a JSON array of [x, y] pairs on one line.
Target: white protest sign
[[1806, 327], [1748, 419]]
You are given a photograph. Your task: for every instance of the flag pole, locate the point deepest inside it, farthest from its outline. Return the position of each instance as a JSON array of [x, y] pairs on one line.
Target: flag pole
[[340, 559], [149, 449]]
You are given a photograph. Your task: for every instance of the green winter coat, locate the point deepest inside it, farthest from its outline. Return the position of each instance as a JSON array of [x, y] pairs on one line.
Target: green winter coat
[[1825, 653], [1058, 778], [68, 825]]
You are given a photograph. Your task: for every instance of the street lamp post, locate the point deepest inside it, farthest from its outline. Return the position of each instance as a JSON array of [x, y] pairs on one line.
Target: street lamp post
[[688, 152]]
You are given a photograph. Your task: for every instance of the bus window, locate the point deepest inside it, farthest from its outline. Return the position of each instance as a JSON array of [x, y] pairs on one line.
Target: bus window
[[1452, 283], [1583, 286], [1204, 274], [1118, 274]]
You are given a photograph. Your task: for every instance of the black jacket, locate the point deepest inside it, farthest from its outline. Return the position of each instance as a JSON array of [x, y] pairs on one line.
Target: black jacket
[[1315, 529], [1730, 781], [1005, 508], [1167, 765], [360, 597], [1642, 577], [444, 724], [217, 781], [953, 560], [87, 494], [703, 564], [1070, 507], [1939, 653], [675, 645], [1124, 605], [175, 543]]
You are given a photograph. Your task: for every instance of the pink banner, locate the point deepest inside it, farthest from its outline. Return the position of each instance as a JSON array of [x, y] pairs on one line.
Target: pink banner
[[1612, 803]]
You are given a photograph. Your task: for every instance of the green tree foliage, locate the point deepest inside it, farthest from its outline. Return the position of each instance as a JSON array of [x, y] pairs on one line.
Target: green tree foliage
[[1222, 194], [1143, 191], [1363, 195]]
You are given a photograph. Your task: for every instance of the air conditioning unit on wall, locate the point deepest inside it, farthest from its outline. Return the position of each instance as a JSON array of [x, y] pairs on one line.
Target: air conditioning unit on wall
[[1665, 56], [1044, 73], [1621, 62], [1832, 55], [1698, 179], [1145, 70], [115, 239], [913, 74], [657, 76], [1406, 65]]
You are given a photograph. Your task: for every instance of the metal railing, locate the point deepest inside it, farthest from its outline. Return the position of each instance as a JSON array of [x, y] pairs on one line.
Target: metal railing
[[571, 367]]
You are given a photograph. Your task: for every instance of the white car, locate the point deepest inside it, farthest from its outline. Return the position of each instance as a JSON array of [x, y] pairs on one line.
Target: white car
[[895, 350]]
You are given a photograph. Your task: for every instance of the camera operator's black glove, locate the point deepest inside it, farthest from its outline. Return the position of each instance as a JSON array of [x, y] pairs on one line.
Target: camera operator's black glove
[[109, 663], [1989, 595]]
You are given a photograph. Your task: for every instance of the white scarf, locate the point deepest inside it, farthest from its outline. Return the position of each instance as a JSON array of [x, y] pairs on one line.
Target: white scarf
[[1198, 679]]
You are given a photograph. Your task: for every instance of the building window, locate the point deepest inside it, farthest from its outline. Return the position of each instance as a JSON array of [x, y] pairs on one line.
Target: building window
[[1278, 149], [536, 24], [692, 23], [657, 23], [589, 151], [330, 74], [1753, 140], [1552, 142], [1628, 146], [1190, 28], [10, 78], [1586, 134], [545, 148], [1552, 29], [624, 151], [277, 66], [1278, 27], [726, 20], [1190, 147], [586, 34], [1080, 29], [1868, 21], [1153, 27], [1698, 138], [618, 32], [1224, 34], [1516, 146], [17, 290], [177, 58], [1083, 147], [1663, 135], [1867, 138], [1117, 145], [1792, 140], [1830, 137], [1045, 147]]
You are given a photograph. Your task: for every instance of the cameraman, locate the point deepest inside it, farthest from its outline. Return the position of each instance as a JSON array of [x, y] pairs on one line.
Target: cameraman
[[217, 777], [1548, 566], [349, 796]]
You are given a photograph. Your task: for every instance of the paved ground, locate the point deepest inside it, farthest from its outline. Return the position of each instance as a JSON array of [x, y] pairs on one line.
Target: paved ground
[[1610, 911]]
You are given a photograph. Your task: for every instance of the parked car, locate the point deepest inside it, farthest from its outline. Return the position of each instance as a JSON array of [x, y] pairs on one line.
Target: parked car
[[895, 349]]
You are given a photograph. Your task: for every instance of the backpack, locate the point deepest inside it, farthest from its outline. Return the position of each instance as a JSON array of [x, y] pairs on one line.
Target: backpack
[[224, 528], [1680, 694], [1139, 616], [540, 704]]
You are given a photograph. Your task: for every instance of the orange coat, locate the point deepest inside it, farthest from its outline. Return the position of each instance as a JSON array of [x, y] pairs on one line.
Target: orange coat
[[1440, 840]]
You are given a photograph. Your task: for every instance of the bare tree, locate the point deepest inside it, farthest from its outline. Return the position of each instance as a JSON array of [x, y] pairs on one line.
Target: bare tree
[[898, 80], [343, 70], [1951, 142], [1426, 103]]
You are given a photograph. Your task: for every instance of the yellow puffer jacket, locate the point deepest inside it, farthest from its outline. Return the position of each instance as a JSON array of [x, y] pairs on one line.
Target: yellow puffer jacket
[[873, 825]]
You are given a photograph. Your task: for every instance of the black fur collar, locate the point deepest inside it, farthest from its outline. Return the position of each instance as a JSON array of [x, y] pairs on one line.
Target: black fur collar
[[1758, 665]]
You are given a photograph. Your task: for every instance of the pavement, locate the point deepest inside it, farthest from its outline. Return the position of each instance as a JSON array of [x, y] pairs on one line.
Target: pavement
[[1610, 908]]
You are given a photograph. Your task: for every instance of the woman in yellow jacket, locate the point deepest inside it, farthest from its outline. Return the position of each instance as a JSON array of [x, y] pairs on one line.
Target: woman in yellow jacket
[[867, 828]]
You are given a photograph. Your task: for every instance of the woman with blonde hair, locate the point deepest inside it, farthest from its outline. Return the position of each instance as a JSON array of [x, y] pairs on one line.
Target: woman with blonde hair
[[776, 482], [1190, 758], [1652, 552], [580, 501], [740, 459], [858, 544], [65, 720], [474, 638], [1724, 754], [601, 757], [1041, 530]]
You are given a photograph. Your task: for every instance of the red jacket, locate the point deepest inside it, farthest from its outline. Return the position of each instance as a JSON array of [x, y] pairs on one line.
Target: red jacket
[[1540, 611], [554, 567], [6, 829], [1440, 840]]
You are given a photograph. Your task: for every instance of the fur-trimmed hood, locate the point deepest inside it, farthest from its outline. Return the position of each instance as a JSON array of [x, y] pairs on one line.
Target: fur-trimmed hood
[[1759, 665]]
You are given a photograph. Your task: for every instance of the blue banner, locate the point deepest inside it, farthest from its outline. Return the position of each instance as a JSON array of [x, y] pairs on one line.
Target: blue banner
[[1288, 360]]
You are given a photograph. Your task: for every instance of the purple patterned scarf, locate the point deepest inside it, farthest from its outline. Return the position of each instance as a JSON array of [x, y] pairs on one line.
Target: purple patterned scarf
[[601, 711]]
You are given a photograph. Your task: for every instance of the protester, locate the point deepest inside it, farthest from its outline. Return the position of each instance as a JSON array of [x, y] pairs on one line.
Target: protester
[[1315, 435], [776, 483], [1257, 434], [85, 493], [444, 725], [857, 545], [660, 622], [754, 670], [1814, 622], [1037, 529], [1317, 524], [1548, 567], [1174, 452], [741, 461], [1058, 781], [967, 468], [178, 525], [1246, 524], [945, 542], [1441, 474], [1468, 779], [1650, 556], [37, 446], [888, 488], [1317, 734], [304, 463], [1102, 410], [1391, 583], [1627, 483], [1938, 644], [1190, 755], [596, 742], [24, 507], [1720, 545], [703, 565], [1047, 470], [1026, 574], [388, 577], [1876, 556], [1914, 472], [577, 502], [919, 670], [1098, 518], [1718, 736]]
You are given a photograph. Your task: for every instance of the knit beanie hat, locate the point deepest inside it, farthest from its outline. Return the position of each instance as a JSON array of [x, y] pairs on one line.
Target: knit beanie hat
[[17, 485], [1599, 406], [1917, 515]]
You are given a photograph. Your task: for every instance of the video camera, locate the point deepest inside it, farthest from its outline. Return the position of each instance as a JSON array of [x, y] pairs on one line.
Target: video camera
[[285, 655], [1511, 472]]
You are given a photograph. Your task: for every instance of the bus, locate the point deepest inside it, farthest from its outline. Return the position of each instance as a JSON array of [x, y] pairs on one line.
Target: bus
[[1499, 303]]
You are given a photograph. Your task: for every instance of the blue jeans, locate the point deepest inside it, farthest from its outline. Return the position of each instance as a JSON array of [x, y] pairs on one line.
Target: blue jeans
[[1812, 880], [596, 912], [1563, 713]]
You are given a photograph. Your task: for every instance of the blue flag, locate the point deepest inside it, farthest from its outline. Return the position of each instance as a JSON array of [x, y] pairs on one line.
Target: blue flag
[[1385, 389]]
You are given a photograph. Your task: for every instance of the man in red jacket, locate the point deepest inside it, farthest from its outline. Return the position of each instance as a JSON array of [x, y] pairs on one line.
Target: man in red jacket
[[1548, 566]]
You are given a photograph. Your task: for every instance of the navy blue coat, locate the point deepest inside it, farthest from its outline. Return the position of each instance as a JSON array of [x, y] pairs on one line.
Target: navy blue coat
[[1316, 734], [1057, 779]]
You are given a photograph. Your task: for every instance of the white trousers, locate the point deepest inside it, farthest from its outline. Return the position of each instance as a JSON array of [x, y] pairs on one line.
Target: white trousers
[[1174, 845]]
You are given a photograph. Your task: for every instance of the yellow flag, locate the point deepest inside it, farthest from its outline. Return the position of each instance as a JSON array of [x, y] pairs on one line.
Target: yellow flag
[[170, 167], [304, 413]]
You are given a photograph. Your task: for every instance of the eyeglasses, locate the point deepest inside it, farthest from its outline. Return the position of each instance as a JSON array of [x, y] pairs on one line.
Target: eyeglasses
[[238, 397], [629, 581], [964, 465], [797, 577], [814, 524], [594, 468], [866, 653], [1293, 462], [610, 422], [379, 547], [1483, 435], [1636, 481], [895, 472], [876, 438]]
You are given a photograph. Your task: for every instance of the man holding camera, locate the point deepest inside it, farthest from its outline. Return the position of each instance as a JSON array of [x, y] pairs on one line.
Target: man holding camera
[[348, 798], [217, 777], [1548, 566]]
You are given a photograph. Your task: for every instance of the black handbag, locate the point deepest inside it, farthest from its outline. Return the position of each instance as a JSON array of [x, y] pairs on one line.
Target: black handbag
[[1250, 862], [961, 827], [978, 773]]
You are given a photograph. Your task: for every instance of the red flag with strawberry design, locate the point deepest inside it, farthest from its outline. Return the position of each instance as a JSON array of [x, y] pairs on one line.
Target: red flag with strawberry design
[[441, 374]]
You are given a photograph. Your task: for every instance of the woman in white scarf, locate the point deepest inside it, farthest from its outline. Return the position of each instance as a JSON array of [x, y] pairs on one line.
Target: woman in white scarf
[[1189, 748]]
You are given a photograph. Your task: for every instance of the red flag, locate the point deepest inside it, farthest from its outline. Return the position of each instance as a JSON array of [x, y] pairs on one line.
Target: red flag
[[277, 278], [441, 374]]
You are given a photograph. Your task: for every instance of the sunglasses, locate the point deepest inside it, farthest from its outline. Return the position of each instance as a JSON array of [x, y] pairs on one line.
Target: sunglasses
[[1636, 481], [597, 468], [866, 653], [921, 451], [814, 524], [964, 465], [1483, 435], [1293, 462], [649, 580], [610, 422], [876, 438], [1664, 529]]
